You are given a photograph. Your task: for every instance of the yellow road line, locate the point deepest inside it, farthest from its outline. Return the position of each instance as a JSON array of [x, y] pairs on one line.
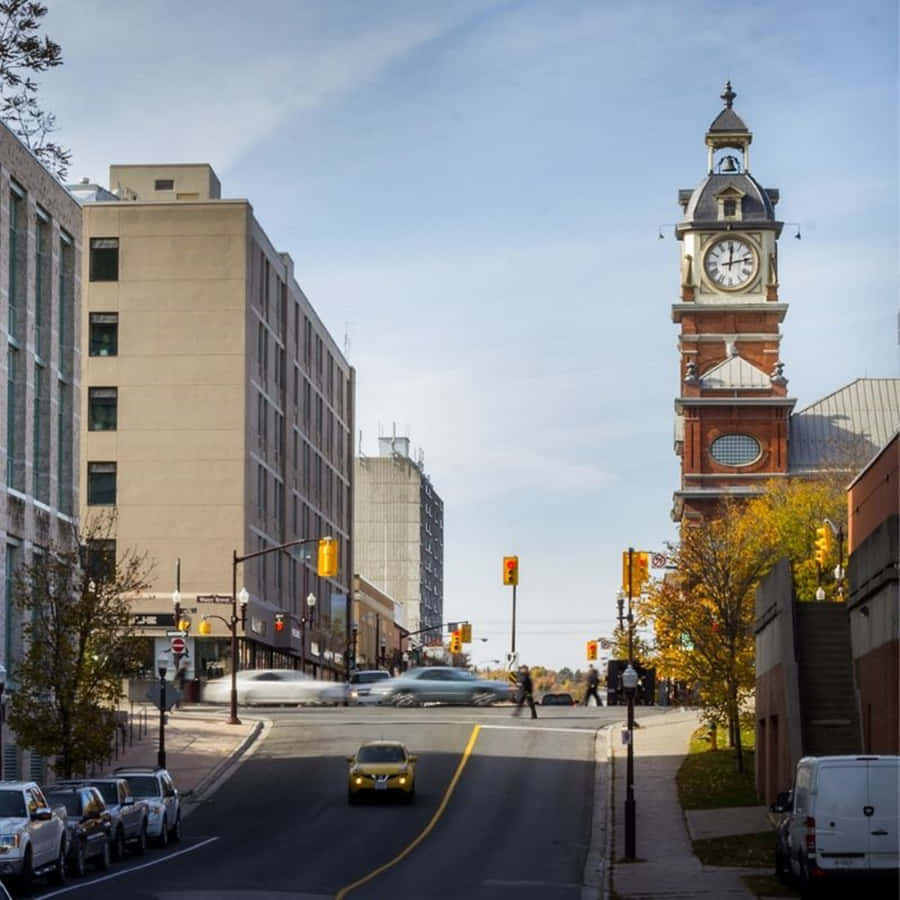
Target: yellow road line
[[421, 837]]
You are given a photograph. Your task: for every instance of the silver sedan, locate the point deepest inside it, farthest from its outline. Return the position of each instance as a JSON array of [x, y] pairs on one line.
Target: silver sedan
[[440, 684], [276, 687]]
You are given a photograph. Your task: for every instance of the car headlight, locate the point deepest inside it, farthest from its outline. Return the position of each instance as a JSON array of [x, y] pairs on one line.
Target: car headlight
[[354, 694], [8, 841]]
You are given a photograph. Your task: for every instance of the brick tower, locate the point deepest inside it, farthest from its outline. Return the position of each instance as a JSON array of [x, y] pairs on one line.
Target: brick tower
[[732, 412]]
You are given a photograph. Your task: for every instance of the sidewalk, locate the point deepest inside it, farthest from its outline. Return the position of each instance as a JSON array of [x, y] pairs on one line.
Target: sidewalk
[[200, 745], [666, 865]]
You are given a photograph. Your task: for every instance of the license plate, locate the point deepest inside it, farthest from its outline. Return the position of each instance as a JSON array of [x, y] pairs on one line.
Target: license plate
[[380, 785], [847, 863]]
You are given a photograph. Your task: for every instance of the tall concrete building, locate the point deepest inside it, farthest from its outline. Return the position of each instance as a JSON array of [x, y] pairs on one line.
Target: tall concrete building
[[217, 418], [398, 523], [40, 296]]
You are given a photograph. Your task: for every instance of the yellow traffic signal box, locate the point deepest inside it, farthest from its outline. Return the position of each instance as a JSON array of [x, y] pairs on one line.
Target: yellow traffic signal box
[[511, 570], [640, 571], [823, 544], [591, 650], [465, 633], [328, 558], [455, 642]]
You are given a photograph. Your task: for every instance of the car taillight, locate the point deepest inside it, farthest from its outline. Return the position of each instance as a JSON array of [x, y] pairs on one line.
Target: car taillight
[[810, 836]]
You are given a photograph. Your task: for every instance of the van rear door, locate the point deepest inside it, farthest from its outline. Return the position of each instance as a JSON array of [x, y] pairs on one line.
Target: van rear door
[[842, 827], [883, 794]]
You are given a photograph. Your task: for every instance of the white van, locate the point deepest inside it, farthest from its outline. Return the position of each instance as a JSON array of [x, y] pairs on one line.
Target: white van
[[845, 819]]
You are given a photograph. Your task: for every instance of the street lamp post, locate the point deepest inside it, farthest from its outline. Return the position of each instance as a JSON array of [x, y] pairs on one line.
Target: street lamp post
[[306, 622], [629, 682], [2, 714], [162, 665]]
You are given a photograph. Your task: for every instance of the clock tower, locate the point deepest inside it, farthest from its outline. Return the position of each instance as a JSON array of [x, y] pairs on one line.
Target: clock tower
[[732, 410]]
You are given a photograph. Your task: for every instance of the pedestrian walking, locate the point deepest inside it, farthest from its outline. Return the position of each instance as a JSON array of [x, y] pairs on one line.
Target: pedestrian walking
[[525, 692], [593, 679]]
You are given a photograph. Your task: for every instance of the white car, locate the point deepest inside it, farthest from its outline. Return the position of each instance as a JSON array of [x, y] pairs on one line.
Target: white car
[[360, 688], [155, 786], [276, 686]]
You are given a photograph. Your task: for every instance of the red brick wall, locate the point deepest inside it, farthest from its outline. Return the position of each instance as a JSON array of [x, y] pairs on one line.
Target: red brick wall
[[878, 677], [875, 496]]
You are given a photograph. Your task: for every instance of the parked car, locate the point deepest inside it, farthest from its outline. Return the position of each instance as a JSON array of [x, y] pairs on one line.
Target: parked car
[[361, 682], [89, 825], [276, 686], [381, 767], [33, 837], [844, 820], [440, 684], [156, 787], [128, 814], [560, 698]]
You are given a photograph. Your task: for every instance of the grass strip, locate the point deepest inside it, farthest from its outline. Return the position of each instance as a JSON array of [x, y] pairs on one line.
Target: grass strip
[[708, 779], [737, 850]]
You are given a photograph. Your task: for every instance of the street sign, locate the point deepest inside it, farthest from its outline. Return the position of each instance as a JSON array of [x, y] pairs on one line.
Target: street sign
[[173, 695], [178, 645], [176, 634]]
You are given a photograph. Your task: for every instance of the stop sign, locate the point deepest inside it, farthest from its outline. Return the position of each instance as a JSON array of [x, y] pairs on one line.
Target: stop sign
[[178, 645]]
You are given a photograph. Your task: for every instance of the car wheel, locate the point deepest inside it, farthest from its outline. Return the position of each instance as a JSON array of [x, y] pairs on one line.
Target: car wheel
[[482, 698], [59, 872], [140, 846], [103, 860], [405, 698], [176, 831], [78, 860], [163, 839], [118, 846], [351, 798], [26, 876]]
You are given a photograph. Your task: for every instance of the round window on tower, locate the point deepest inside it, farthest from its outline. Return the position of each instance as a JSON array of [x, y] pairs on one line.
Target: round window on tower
[[735, 449]]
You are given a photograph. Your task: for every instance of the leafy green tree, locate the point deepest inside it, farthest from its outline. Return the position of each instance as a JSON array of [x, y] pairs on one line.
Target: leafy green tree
[[78, 646], [22, 52]]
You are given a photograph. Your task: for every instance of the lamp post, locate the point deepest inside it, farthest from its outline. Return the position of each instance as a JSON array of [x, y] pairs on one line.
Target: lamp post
[[2, 714], [161, 666], [629, 682], [306, 621]]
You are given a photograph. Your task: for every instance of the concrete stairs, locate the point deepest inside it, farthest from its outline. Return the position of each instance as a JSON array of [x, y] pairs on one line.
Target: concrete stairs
[[830, 719]]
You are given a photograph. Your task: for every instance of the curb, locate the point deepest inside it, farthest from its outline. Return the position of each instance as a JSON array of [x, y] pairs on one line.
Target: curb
[[195, 794], [597, 864]]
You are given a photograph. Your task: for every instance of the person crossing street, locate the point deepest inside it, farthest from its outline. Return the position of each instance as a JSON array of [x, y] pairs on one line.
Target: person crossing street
[[525, 692], [593, 679]]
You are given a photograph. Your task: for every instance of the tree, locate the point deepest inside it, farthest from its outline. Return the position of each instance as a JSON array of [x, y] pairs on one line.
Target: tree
[[78, 636], [23, 52], [703, 615]]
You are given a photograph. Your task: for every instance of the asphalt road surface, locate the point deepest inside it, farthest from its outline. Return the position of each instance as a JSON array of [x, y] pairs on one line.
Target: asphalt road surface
[[503, 810]]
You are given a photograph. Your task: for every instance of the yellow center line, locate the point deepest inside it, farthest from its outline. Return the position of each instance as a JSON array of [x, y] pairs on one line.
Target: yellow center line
[[425, 832]]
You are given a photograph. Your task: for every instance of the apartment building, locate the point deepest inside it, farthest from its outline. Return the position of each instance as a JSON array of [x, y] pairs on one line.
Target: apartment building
[[217, 419], [40, 295], [398, 522]]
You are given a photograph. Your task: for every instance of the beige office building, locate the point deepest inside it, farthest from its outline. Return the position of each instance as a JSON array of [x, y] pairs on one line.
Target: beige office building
[[217, 418]]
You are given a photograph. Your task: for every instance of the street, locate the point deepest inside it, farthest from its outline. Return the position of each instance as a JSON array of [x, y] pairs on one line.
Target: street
[[516, 823]]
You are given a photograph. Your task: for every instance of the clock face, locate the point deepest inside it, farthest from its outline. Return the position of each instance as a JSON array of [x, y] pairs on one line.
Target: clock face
[[730, 263]]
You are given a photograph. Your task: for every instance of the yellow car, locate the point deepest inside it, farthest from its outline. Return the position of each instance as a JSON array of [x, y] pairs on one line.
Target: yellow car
[[381, 767]]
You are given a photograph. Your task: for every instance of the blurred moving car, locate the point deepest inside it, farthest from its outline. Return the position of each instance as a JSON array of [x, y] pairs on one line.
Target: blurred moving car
[[89, 825], [560, 698], [381, 766], [274, 687], [156, 787], [361, 681], [440, 684], [128, 815]]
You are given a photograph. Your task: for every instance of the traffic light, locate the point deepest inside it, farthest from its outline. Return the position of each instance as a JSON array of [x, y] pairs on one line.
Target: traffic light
[[455, 642], [591, 650], [184, 624], [824, 544], [640, 571], [279, 622], [465, 633], [511, 570], [328, 558]]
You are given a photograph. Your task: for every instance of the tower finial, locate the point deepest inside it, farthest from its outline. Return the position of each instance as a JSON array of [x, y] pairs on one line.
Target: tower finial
[[728, 95]]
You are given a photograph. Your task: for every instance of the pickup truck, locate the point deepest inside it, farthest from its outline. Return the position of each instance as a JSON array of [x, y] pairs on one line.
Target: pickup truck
[[32, 835], [129, 815]]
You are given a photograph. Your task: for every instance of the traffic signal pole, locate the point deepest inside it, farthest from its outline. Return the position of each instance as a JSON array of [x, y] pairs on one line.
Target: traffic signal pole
[[513, 647]]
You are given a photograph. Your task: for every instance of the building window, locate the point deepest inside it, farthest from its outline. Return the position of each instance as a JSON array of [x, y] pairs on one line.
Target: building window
[[164, 184], [66, 289], [104, 334], [100, 562], [42, 285], [104, 259], [729, 208], [18, 239], [103, 403], [735, 449], [101, 484]]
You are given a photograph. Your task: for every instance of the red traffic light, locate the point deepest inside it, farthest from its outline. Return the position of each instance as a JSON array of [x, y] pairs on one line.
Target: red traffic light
[[279, 623]]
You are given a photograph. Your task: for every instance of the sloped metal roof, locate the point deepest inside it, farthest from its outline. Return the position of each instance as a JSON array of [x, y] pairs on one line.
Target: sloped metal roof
[[728, 121], [734, 373], [846, 428]]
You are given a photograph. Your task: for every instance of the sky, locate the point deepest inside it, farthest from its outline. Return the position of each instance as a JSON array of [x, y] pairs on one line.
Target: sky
[[472, 194]]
